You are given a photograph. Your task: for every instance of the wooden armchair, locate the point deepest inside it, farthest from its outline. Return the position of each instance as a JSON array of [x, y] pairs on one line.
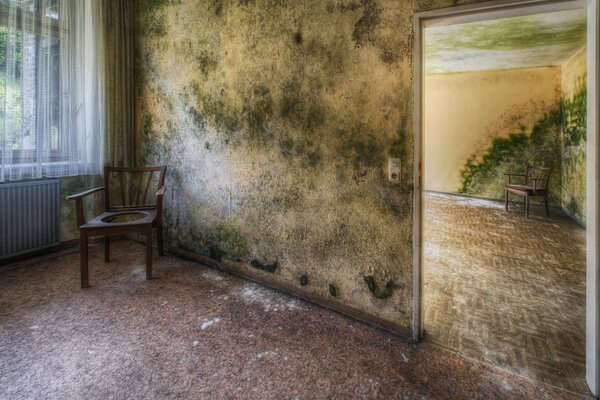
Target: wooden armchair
[[126, 210], [534, 182]]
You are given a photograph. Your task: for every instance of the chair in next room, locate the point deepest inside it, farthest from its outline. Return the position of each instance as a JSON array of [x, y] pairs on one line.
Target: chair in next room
[[534, 182]]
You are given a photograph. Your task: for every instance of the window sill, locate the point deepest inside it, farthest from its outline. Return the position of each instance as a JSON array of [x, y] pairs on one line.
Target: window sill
[[46, 170]]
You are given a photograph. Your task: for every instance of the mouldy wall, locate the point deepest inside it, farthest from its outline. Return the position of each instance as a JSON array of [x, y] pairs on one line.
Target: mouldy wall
[[276, 119], [465, 112], [574, 128]]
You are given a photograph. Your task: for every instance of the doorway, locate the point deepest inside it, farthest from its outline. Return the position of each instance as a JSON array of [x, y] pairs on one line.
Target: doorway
[[492, 284]]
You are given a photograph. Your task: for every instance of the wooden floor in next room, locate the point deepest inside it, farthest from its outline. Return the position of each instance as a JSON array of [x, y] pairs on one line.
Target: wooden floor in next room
[[504, 289]]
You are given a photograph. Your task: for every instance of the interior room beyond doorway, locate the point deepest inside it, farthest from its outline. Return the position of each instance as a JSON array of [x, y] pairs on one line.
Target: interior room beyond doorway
[[500, 95]]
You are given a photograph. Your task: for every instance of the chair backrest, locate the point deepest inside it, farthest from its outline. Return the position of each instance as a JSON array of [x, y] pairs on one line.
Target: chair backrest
[[538, 177], [132, 188]]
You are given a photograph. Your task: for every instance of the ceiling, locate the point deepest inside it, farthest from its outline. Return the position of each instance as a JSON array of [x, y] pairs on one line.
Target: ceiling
[[538, 40]]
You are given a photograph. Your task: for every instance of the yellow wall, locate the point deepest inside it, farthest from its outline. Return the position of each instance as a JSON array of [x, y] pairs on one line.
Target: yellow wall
[[464, 112], [573, 71]]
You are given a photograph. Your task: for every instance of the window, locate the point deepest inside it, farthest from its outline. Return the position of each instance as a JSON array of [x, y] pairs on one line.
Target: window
[[50, 88]]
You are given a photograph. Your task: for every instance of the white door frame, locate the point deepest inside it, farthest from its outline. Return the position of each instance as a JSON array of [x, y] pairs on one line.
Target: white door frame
[[498, 9]]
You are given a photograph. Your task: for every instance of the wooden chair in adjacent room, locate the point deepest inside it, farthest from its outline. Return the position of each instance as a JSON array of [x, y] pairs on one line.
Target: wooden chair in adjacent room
[[534, 182], [127, 210]]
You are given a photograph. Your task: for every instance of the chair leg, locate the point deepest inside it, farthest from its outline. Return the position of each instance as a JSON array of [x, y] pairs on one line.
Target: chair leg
[[527, 206], [159, 240], [106, 248], [83, 259], [546, 204], [506, 200], [149, 254]]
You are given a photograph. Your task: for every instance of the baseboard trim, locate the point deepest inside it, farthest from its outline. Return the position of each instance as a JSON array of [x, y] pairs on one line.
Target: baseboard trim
[[287, 288], [250, 275]]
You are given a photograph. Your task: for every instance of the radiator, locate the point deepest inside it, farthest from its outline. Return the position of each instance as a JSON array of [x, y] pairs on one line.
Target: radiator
[[29, 216]]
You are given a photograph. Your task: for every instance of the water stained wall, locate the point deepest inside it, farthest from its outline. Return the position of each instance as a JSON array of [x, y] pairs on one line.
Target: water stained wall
[[276, 120]]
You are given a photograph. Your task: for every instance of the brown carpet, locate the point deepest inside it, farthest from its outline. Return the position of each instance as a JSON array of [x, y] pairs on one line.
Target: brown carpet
[[506, 290], [195, 333]]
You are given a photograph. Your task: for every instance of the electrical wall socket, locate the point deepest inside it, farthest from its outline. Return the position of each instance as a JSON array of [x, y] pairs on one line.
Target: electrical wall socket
[[394, 170]]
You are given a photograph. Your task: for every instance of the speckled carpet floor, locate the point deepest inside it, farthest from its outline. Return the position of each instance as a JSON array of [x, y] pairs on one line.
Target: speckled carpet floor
[[504, 289], [195, 333]]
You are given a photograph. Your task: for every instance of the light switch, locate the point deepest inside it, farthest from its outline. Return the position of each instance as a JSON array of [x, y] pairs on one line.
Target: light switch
[[394, 170]]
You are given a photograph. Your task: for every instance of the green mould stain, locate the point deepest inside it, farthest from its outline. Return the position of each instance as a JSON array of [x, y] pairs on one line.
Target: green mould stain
[[483, 175], [574, 126], [271, 97], [333, 290], [380, 293], [298, 39], [271, 268], [574, 117], [217, 7], [364, 29], [215, 253], [147, 126], [304, 280]]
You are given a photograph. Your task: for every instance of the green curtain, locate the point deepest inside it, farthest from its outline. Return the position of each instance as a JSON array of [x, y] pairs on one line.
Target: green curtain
[[120, 146]]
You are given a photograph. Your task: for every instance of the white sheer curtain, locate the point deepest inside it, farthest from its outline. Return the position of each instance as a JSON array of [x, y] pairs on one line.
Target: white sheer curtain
[[51, 88]]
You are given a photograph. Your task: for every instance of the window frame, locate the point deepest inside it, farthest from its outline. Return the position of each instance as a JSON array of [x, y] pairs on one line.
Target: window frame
[[28, 157]]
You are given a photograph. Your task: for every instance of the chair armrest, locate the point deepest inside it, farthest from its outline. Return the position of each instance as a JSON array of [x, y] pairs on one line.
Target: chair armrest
[[83, 194], [79, 203], [161, 192]]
